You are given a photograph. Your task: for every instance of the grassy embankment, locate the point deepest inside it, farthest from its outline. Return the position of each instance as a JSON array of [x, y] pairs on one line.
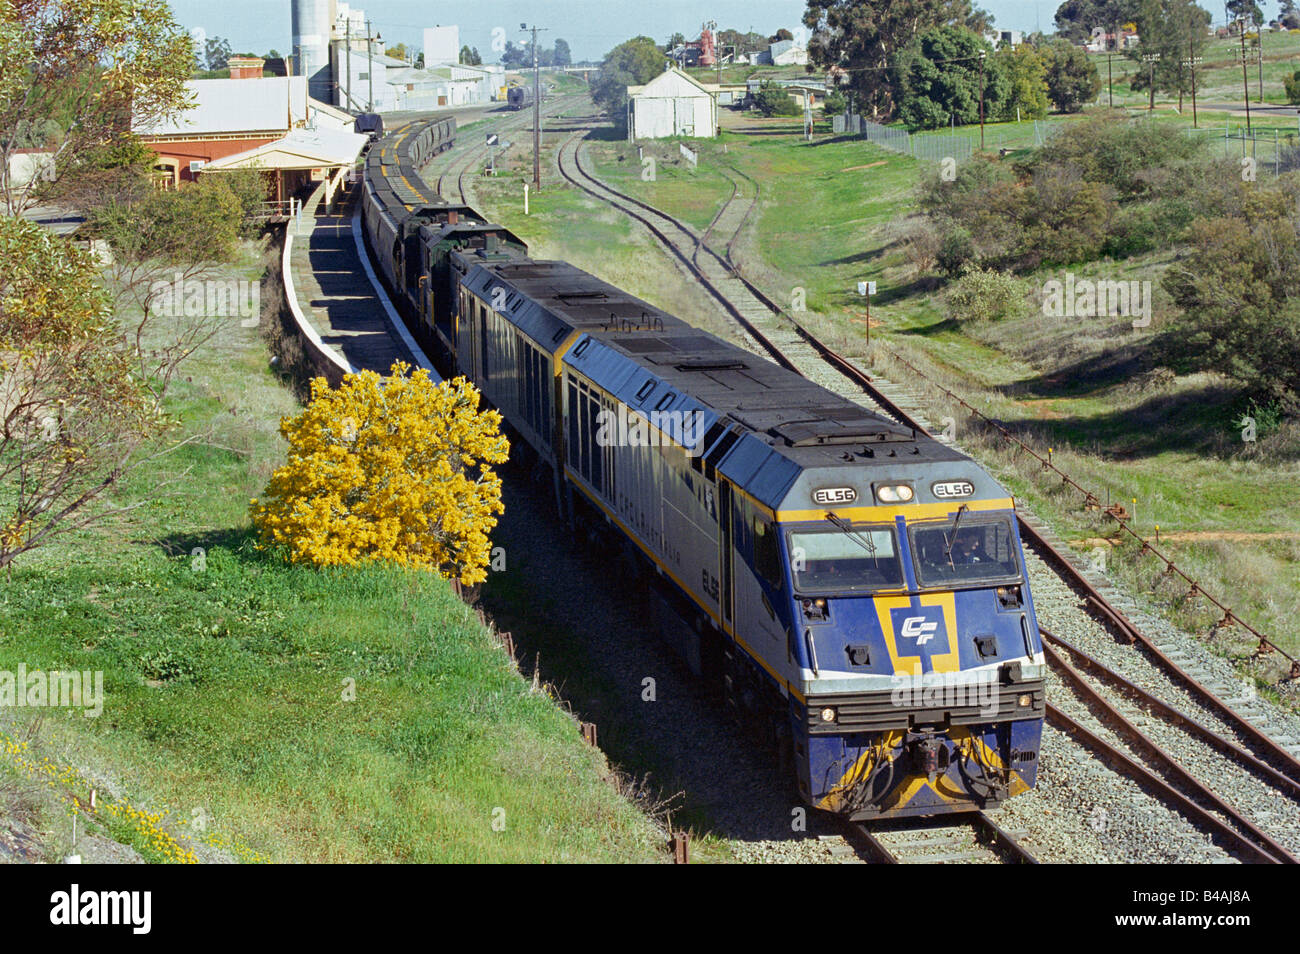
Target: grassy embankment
[[835, 212], [226, 677]]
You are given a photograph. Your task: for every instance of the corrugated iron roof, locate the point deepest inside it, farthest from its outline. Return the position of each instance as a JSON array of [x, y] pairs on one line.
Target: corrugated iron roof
[[223, 106], [300, 149]]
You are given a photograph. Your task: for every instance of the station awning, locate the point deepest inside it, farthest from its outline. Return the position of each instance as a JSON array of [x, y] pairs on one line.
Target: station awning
[[301, 149]]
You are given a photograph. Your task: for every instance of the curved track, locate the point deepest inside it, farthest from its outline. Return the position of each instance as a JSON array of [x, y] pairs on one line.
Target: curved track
[[775, 330], [468, 157]]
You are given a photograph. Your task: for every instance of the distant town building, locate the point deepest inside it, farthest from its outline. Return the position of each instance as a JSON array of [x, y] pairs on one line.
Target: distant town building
[[671, 104], [1100, 41], [797, 89], [349, 22], [1000, 38], [361, 79], [246, 67], [359, 76], [782, 53]]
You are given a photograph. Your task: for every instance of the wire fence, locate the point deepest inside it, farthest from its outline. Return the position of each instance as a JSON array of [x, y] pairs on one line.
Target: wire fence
[[937, 146], [1260, 150]]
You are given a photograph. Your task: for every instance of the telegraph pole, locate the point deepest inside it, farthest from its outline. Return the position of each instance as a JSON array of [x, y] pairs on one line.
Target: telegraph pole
[[1150, 59], [1259, 41], [981, 100], [347, 102], [537, 109], [370, 72], [1192, 60], [1110, 86], [1245, 81]]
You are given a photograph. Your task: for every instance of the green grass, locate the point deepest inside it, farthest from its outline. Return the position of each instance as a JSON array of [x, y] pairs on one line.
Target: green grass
[[693, 194], [225, 677]]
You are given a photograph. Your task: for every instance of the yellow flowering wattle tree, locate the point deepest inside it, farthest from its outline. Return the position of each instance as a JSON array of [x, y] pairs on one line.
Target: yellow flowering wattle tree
[[394, 469]]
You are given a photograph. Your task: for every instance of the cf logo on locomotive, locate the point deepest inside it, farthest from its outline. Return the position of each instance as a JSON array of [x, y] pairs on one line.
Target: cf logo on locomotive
[[835, 495], [920, 629]]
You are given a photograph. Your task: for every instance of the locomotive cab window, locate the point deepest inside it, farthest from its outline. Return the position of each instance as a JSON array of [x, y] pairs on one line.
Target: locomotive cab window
[[767, 552], [859, 559], [969, 552]]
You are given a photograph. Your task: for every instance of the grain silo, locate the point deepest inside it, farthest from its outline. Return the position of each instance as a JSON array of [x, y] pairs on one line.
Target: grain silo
[[312, 22]]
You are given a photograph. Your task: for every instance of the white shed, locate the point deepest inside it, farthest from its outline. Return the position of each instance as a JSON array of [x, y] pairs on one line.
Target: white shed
[[671, 104]]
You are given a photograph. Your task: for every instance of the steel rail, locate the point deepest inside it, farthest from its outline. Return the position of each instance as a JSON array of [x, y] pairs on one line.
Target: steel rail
[[722, 299], [1177, 716], [1252, 844], [988, 833]]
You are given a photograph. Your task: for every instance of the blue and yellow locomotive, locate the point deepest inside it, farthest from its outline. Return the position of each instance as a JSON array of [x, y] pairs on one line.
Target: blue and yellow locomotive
[[857, 589]]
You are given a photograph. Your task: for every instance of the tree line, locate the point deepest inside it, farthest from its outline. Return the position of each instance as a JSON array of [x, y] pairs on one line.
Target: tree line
[[518, 56], [926, 62]]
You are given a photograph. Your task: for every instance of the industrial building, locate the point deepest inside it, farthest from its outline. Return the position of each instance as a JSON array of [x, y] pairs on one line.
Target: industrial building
[[783, 53], [345, 63]]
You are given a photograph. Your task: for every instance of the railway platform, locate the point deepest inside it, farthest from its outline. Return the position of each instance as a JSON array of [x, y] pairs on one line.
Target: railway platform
[[334, 291]]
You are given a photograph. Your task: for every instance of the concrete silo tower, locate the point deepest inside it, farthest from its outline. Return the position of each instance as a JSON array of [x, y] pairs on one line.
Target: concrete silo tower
[[312, 22]]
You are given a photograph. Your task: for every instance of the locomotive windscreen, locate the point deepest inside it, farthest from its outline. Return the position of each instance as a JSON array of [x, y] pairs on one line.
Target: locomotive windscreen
[[972, 553], [835, 561]]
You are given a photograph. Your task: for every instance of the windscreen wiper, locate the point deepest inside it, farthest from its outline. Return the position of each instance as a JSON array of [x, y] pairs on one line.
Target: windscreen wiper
[[852, 534], [956, 521]]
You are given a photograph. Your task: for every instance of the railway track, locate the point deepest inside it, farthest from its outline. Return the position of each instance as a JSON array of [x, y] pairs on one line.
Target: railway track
[[1159, 772], [470, 157], [1271, 761], [1275, 760], [973, 838]]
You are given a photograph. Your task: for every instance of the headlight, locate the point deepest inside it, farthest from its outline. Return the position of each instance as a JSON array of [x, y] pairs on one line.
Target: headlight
[[1025, 700], [894, 493], [828, 714]]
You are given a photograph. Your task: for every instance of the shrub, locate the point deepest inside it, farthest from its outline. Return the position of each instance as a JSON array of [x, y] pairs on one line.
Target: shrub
[[1292, 84], [774, 100], [920, 242], [1237, 291], [956, 251], [1115, 152], [986, 295], [393, 469]]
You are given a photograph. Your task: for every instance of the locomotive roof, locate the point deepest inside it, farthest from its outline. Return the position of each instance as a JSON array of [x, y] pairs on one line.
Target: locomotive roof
[[653, 361]]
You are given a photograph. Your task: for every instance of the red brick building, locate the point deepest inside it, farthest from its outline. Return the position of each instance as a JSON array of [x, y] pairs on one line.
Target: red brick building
[[229, 116]]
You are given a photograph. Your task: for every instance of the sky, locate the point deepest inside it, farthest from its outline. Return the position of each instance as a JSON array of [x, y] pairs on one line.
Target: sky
[[592, 27]]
